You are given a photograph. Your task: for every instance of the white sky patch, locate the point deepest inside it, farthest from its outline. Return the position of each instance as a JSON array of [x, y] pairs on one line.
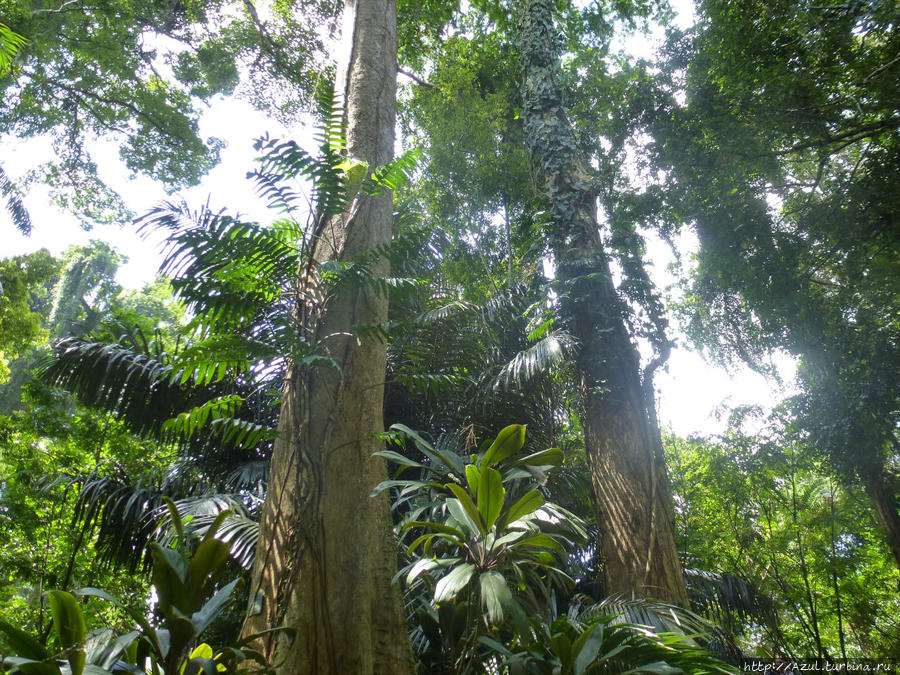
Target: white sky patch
[[226, 186]]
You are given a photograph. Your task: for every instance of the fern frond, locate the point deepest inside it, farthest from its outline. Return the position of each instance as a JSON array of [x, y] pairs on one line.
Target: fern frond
[[538, 359], [430, 383], [331, 135], [395, 175], [728, 599]]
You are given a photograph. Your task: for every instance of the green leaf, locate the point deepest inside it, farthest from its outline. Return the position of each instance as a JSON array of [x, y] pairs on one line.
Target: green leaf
[[508, 442], [586, 647], [490, 496], [472, 477], [438, 458], [548, 457], [204, 616], [204, 569], [509, 538], [24, 644], [215, 525], [147, 629], [30, 667], [468, 506], [420, 567], [440, 527], [530, 502], [544, 541], [169, 573], [397, 458], [68, 622], [453, 582], [385, 484], [176, 520], [495, 595]]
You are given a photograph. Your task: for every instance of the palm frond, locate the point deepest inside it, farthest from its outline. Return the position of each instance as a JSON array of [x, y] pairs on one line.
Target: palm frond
[[118, 513], [211, 420], [661, 618], [238, 528], [283, 161], [538, 359], [8, 190], [728, 599], [135, 386], [226, 270], [10, 44]]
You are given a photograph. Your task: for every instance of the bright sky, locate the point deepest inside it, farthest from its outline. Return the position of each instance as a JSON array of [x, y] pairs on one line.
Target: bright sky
[[690, 390]]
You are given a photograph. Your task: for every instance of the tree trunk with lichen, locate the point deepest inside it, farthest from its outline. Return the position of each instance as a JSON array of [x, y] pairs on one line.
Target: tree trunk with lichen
[[326, 553], [628, 474]]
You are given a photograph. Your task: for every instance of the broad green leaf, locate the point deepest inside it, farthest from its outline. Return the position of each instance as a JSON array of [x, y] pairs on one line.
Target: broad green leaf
[[509, 538], [438, 458], [169, 572], [530, 502], [147, 630], [544, 541], [24, 644], [31, 667], [563, 648], [586, 647], [205, 567], [464, 500], [68, 621], [445, 529], [420, 567], [385, 484], [508, 442], [548, 457], [397, 458], [204, 616], [495, 595], [202, 651], [472, 477], [490, 496], [453, 582], [115, 650], [175, 517], [215, 525]]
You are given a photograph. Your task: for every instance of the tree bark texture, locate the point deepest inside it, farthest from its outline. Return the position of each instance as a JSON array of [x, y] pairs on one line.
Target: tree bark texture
[[624, 453], [887, 511], [327, 553]]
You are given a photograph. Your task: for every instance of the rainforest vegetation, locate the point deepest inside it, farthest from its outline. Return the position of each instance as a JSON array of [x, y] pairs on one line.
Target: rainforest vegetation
[[407, 422]]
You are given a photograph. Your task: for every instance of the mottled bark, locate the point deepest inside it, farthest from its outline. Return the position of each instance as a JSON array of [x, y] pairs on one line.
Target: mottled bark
[[630, 485], [327, 553]]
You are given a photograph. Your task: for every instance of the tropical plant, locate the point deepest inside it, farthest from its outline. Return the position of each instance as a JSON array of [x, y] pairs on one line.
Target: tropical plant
[[604, 645], [191, 593], [488, 564]]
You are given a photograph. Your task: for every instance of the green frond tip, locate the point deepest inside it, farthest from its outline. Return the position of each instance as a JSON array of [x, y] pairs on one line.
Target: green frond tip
[[10, 44], [395, 175], [10, 193]]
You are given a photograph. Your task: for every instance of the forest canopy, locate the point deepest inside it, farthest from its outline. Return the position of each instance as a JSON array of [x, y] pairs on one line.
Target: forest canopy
[[408, 421]]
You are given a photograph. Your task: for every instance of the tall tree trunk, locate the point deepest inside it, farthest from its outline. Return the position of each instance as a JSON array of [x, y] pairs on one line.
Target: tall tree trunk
[[887, 510], [624, 454], [326, 553]]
